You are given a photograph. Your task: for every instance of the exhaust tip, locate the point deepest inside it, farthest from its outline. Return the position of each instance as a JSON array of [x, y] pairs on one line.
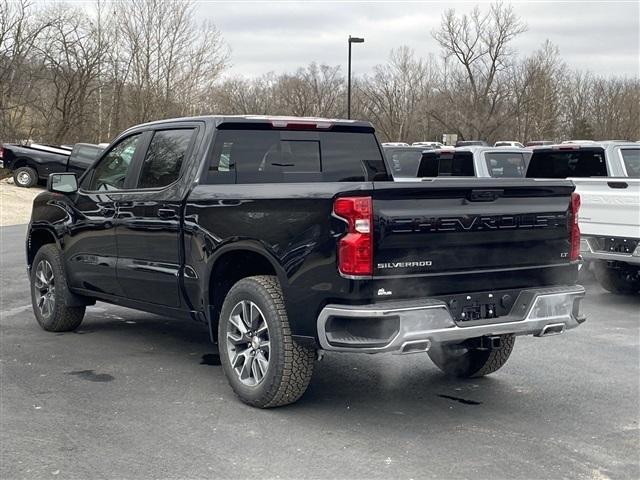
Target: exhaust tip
[[552, 329], [415, 346]]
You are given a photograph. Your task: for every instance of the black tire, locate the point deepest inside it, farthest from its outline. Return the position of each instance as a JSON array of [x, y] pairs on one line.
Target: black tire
[[290, 365], [462, 362], [58, 317], [621, 281], [25, 177]]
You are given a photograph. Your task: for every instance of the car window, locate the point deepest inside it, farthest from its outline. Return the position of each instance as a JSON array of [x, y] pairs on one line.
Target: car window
[[85, 154], [505, 164], [446, 164], [631, 158], [581, 162], [164, 158], [276, 156], [403, 162], [111, 172]]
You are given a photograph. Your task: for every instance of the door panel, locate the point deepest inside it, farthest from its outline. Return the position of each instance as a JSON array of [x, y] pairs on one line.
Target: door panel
[[148, 248], [148, 231], [90, 246]]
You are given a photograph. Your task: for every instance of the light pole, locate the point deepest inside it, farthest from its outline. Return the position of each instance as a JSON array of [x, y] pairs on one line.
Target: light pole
[[351, 40]]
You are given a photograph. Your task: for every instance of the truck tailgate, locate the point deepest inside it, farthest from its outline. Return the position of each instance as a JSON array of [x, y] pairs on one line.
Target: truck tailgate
[[610, 206], [443, 226]]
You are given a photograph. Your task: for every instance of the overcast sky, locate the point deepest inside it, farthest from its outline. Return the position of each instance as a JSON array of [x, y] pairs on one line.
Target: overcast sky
[[281, 36]]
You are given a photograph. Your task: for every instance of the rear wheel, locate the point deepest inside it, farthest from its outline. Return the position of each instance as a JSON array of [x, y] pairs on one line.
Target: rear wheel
[[25, 177], [623, 280], [49, 290], [265, 366], [464, 362]]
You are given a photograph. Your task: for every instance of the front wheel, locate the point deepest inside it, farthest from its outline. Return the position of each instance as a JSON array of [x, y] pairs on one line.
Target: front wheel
[[49, 291], [465, 362], [265, 366], [622, 281]]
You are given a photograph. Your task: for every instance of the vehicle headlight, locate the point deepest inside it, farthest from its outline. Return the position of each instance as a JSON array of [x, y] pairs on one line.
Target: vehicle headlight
[[636, 252]]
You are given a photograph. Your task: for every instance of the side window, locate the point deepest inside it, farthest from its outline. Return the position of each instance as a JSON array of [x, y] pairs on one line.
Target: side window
[[164, 158], [112, 170]]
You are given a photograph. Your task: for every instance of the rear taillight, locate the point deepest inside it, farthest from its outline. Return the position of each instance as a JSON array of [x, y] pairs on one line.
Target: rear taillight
[[1, 153], [355, 249], [574, 228]]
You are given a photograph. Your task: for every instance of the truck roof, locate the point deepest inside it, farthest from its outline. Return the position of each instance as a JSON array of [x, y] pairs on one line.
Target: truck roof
[[591, 144], [220, 119]]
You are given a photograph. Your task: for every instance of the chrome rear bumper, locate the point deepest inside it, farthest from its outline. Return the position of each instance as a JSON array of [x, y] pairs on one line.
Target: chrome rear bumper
[[589, 251], [401, 326]]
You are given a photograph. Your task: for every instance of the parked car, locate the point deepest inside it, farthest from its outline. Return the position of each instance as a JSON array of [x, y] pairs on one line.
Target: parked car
[[286, 236], [508, 144], [607, 176], [395, 144], [497, 162], [36, 162], [471, 143], [538, 143]]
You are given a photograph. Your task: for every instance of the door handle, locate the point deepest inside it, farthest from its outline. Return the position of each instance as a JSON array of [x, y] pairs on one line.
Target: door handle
[[167, 213]]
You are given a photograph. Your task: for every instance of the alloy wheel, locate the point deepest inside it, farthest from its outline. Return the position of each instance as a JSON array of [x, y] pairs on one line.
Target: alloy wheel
[[248, 343], [44, 284]]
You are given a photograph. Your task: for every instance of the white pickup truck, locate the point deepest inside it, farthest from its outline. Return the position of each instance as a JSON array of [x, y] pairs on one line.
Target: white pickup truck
[[407, 163], [607, 177]]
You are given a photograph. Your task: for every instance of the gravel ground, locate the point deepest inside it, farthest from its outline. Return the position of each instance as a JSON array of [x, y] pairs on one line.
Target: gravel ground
[[16, 202], [136, 396]]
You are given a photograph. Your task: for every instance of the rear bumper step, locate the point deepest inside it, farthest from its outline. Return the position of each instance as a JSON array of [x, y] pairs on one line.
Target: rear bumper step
[[413, 326]]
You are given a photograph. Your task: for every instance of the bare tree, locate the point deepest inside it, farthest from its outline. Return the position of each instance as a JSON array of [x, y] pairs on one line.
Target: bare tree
[[19, 31], [394, 96], [479, 43], [71, 58]]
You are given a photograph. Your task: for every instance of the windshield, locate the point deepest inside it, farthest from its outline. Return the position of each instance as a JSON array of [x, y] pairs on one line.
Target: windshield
[[505, 164], [631, 159], [580, 162]]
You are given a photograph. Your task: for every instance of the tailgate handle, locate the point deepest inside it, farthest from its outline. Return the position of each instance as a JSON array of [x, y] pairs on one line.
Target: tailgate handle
[[618, 184], [484, 195]]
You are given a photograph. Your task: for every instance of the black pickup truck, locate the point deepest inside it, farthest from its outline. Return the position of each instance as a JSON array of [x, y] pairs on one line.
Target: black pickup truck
[[287, 238], [36, 162]]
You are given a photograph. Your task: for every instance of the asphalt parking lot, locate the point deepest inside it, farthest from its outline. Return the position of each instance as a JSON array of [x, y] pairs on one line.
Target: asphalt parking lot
[[133, 395]]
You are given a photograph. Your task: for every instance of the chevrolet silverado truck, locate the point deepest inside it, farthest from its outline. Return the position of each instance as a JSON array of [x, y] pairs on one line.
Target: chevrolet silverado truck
[[607, 177], [288, 238], [36, 162]]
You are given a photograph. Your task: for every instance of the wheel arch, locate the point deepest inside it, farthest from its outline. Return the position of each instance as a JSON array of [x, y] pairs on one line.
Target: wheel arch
[[231, 264], [36, 239], [20, 162]]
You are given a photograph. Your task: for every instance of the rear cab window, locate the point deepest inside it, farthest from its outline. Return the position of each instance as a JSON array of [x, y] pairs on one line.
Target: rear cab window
[[505, 164], [631, 160], [441, 163], [567, 162], [243, 154], [404, 162]]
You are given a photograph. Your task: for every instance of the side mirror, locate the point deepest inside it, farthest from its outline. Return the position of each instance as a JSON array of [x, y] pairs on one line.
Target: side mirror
[[62, 183]]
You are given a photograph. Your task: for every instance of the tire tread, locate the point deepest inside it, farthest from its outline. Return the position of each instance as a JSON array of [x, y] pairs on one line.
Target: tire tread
[[65, 318]]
